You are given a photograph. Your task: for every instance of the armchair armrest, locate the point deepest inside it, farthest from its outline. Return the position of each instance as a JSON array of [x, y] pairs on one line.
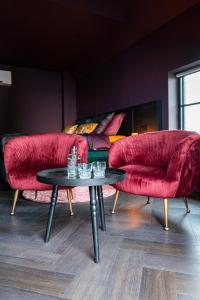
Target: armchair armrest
[[184, 165]]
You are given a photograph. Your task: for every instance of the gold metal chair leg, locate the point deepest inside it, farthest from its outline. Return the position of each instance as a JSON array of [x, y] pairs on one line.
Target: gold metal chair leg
[[71, 193], [148, 200], [36, 193], [16, 195], [186, 205], [115, 201], [166, 213], [69, 197]]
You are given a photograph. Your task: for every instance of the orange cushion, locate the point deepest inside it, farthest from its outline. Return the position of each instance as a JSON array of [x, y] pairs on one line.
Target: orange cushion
[[70, 129], [86, 128]]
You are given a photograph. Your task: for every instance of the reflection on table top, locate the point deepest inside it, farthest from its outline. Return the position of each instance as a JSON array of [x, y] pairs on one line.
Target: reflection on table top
[[60, 177]]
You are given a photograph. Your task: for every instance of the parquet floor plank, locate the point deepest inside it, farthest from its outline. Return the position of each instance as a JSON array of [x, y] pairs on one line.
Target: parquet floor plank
[[17, 294], [157, 285], [29, 279], [138, 259]]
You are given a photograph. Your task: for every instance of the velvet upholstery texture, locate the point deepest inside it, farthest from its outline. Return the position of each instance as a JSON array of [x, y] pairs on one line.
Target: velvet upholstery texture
[[24, 156], [163, 164]]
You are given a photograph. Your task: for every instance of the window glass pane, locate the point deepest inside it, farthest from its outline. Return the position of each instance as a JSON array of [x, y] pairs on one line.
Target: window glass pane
[[192, 118], [192, 88]]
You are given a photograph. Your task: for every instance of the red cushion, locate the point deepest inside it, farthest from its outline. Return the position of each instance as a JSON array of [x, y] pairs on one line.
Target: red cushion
[[114, 125], [102, 126], [27, 182], [147, 181]]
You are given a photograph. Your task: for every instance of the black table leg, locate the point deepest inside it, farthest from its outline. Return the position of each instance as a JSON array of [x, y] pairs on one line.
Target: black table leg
[[101, 207], [93, 211], [51, 212]]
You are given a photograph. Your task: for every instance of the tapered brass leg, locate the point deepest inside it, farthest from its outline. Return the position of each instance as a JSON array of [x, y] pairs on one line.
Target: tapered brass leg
[[69, 198], [186, 205], [16, 195], [71, 193], [148, 200], [166, 213], [115, 201]]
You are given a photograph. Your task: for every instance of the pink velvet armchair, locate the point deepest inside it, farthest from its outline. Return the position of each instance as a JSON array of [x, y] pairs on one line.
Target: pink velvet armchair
[[24, 156], [162, 164]]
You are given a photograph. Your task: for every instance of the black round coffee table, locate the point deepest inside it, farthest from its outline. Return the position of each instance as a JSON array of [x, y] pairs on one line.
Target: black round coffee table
[[58, 177]]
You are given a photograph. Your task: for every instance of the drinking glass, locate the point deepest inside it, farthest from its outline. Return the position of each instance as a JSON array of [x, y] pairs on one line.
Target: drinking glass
[[99, 168], [84, 170]]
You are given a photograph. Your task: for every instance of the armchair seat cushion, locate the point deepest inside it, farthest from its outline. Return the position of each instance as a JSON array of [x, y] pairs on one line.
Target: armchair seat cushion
[[147, 181], [29, 181]]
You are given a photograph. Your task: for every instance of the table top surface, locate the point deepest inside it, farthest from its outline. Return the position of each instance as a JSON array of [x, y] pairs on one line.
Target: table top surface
[[59, 177]]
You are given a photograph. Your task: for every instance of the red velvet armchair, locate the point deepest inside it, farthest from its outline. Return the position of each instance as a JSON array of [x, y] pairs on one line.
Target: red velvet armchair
[[162, 164], [24, 156]]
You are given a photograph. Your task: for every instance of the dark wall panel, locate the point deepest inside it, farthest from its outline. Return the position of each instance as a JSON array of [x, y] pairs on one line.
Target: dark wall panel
[[70, 110], [140, 74], [33, 103]]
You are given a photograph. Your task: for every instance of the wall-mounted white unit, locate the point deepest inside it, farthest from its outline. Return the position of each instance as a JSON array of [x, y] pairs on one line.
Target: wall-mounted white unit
[[5, 77]]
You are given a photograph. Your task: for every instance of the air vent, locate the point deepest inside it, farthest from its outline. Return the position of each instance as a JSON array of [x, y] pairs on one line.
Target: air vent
[[5, 78]]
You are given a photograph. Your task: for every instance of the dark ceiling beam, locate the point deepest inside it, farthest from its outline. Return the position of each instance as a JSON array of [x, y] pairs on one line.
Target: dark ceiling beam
[[106, 9]]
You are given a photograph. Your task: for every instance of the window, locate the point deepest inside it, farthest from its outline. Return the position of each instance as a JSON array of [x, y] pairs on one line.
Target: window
[[190, 101]]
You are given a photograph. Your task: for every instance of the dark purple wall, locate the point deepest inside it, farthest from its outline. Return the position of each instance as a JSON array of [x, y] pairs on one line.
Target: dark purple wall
[[33, 103], [140, 74], [70, 111]]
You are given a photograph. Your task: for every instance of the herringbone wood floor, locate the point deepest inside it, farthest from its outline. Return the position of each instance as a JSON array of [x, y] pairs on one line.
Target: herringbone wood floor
[[139, 260]]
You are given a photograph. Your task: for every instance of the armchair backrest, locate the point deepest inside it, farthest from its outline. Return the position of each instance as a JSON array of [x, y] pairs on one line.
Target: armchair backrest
[[24, 156], [150, 149]]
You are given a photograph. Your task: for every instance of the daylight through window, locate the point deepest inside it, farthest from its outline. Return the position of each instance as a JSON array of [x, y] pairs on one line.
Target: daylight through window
[[190, 101]]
